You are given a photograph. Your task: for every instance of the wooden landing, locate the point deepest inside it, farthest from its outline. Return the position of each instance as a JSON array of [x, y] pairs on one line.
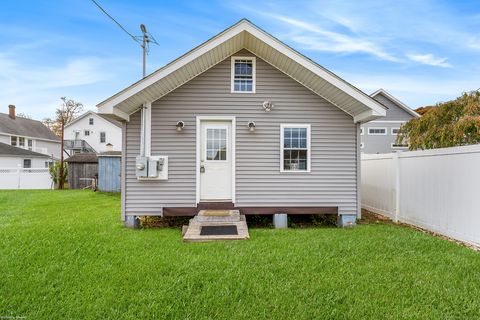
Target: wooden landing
[[209, 218]]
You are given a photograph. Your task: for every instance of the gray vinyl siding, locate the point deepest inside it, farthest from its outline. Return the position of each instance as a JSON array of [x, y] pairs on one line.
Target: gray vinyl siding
[[379, 143], [394, 112], [382, 143], [331, 182]]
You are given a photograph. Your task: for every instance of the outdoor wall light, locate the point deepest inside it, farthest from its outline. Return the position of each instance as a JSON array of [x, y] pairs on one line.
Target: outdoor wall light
[[267, 106], [251, 126], [180, 125]]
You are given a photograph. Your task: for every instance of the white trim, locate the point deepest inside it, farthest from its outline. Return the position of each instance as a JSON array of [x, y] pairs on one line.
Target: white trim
[[110, 105], [199, 119], [391, 131], [377, 134], [296, 125], [396, 101], [388, 121], [232, 73]]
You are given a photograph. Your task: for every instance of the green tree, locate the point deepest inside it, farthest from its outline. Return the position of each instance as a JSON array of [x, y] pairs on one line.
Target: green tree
[[448, 124]]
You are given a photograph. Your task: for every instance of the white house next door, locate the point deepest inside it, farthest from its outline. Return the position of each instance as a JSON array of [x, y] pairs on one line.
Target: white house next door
[[215, 160]]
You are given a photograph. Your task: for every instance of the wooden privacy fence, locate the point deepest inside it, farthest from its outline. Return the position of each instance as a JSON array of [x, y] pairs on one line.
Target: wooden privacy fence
[[20, 178], [437, 189]]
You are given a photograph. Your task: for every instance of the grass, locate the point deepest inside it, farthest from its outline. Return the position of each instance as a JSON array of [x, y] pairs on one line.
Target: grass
[[66, 255]]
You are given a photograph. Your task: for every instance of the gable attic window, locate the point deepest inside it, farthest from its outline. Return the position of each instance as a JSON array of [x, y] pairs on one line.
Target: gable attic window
[[103, 137], [243, 74], [295, 148], [90, 121]]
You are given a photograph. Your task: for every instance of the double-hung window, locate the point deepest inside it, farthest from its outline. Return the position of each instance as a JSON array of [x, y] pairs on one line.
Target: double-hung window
[[243, 74], [86, 132], [295, 148], [90, 121], [103, 137]]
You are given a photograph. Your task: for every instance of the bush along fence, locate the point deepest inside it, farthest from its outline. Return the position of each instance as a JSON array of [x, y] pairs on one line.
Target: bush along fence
[[438, 189]]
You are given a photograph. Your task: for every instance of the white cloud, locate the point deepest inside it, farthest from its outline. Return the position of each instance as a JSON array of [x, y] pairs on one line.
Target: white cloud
[[430, 59], [313, 37], [36, 89]]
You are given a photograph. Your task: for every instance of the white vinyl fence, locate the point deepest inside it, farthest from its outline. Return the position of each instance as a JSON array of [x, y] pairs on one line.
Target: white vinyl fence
[[19, 178], [438, 189]]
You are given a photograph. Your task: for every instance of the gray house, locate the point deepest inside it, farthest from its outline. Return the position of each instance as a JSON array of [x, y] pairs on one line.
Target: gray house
[[380, 136], [241, 121]]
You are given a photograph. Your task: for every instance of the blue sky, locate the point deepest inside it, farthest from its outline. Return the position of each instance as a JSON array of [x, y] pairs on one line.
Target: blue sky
[[423, 52]]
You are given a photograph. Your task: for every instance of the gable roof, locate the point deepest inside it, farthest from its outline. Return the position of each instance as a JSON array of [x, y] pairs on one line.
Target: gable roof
[[397, 102], [25, 127], [88, 157], [112, 121], [243, 35], [11, 151]]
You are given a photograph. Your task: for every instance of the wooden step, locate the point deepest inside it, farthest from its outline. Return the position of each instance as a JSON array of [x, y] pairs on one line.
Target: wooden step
[[215, 206]]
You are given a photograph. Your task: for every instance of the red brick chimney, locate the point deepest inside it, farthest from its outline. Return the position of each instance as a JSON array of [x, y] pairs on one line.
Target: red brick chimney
[[11, 111]]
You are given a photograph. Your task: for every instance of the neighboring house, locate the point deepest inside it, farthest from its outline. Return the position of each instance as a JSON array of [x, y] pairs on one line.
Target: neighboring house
[[241, 121], [13, 157], [28, 134], [380, 136], [92, 132]]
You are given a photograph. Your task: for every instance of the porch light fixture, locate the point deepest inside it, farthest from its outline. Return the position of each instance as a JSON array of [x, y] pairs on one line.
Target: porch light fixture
[[251, 126], [267, 106], [180, 125]]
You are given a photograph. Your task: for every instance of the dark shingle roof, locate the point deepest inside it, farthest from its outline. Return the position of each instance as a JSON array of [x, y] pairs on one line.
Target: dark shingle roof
[[88, 157], [25, 127], [8, 150]]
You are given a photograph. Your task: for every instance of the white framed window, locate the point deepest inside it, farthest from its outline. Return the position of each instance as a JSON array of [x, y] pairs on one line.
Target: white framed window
[[21, 142], [86, 132], [395, 131], [103, 137], [13, 141], [243, 74], [295, 148], [90, 121], [399, 146], [377, 131], [361, 131], [30, 144]]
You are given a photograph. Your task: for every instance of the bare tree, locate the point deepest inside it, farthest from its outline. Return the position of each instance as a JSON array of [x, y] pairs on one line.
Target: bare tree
[[23, 115], [68, 111]]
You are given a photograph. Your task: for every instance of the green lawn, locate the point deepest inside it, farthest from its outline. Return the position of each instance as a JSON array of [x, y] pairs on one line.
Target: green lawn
[[66, 255]]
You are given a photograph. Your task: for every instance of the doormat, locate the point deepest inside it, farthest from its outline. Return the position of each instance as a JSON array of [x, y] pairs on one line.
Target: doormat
[[217, 213], [219, 231]]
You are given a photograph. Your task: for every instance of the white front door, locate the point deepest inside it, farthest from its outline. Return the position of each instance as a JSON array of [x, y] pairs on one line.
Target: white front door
[[215, 160]]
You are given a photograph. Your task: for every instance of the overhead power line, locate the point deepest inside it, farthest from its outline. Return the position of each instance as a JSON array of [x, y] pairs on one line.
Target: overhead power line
[[143, 40], [117, 23]]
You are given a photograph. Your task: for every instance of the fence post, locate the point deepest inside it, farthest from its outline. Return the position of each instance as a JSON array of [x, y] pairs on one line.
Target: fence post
[[396, 165], [18, 177]]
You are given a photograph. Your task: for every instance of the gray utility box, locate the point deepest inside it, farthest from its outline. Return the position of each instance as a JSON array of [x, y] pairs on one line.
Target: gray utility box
[[151, 168], [141, 166]]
